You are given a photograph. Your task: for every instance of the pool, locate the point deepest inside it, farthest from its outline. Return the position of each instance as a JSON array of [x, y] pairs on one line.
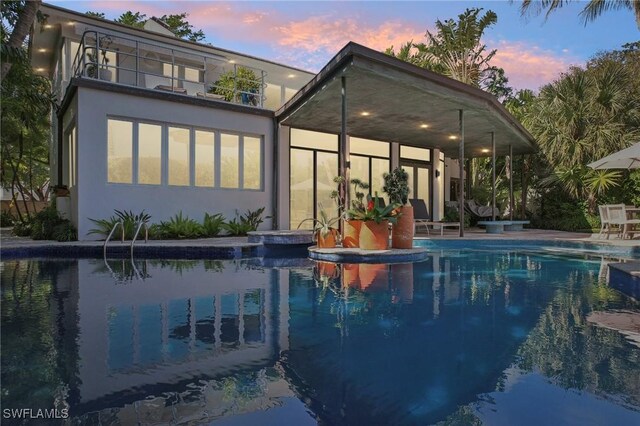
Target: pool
[[464, 337]]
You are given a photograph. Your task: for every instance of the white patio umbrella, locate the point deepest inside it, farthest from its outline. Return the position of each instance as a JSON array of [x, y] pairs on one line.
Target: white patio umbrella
[[628, 158]]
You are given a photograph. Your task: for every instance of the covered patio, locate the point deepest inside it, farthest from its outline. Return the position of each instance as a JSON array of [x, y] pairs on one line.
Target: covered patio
[[367, 94]]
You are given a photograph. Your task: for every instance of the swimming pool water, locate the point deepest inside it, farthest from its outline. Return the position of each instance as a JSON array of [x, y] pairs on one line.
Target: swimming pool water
[[465, 337]]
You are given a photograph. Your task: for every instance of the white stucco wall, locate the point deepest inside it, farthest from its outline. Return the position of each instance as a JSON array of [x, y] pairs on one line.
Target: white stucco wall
[[97, 198]]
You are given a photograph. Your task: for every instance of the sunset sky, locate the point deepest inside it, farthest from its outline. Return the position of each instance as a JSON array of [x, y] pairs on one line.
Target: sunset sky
[[307, 34]]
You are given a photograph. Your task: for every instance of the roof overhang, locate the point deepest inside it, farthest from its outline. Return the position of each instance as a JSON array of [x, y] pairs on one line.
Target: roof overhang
[[401, 99]]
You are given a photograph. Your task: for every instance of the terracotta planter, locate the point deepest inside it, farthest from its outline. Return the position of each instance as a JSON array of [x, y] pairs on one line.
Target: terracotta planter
[[328, 241], [374, 236], [402, 232], [374, 277], [350, 275], [351, 233]]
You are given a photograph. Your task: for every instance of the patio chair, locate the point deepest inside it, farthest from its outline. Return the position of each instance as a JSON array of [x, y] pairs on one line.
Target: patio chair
[[421, 216], [605, 224], [618, 216]]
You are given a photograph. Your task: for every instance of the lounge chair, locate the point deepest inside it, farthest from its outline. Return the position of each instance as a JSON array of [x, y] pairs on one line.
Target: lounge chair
[[421, 217]]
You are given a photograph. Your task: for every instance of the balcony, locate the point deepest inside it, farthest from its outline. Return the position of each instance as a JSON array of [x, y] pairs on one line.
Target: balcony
[[152, 66]]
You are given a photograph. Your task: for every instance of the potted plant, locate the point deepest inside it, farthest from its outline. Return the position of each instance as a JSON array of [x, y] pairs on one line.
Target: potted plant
[[396, 186], [324, 230], [374, 233], [61, 190], [238, 84], [351, 225], [100, 70]]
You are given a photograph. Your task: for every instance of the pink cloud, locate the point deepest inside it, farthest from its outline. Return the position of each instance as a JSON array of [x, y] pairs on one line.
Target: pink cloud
[[528, 66]]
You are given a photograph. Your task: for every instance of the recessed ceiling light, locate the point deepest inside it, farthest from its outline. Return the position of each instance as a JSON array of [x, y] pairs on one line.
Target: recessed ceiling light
[[424, 126], [365, 113], [291, 75], [485, 150], [39, 69], [231, 61], [48, 26], [42, 50], [70, 23], [453, 137]]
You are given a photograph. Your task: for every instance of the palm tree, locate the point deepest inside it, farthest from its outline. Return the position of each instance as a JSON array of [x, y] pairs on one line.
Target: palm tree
[[455, 49], [590, 12], [456, 46], [583, 116]]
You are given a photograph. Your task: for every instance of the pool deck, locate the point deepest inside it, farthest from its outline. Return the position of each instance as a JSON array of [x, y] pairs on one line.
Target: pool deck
[[234, 247]]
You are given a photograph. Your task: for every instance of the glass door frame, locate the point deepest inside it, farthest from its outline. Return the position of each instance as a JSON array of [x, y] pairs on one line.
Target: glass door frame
[[315, 175], [415, 164]]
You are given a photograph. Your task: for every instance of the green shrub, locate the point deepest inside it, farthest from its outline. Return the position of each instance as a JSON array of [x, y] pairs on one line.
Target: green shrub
[[22, 229], [6, 219], [179, 227], [212, 225], [129, 221], [451, 215], [46, 225], [64, 231], [242, 224]]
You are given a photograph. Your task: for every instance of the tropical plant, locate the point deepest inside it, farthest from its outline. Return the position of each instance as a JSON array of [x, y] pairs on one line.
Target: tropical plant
[[245, 223], [590, 12], [212, 224], [358, 206], [17, 18], [6, 219], [48, 225], [323, 224], [237, 84], [129, 220], [94, 62], [25, 113], [455, 49], [179, 227], [374, 212], [396, 186]]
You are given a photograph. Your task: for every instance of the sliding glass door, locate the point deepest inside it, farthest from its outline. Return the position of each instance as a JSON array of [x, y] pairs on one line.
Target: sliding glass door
[[417, 163], [313, 165]]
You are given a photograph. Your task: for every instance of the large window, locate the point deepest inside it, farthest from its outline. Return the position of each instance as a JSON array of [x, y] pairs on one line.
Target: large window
[[179, 156], [205, 158], [229, 167], [149, 154], [369, 162], [120, 151], [155, 154], [314, 164]]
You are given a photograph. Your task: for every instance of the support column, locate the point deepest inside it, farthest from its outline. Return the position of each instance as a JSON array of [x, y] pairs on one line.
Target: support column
[[493, 176], [510, 182], [343, 152], [461, 163]]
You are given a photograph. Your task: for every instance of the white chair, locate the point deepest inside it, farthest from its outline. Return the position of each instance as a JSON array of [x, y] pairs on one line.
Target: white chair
[[618, 216], [605, 225]]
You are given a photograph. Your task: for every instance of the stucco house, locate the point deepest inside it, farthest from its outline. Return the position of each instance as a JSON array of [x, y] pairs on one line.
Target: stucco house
[[150, 121]]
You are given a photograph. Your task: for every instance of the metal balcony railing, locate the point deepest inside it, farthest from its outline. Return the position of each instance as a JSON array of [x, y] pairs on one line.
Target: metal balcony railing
[[139, 63]]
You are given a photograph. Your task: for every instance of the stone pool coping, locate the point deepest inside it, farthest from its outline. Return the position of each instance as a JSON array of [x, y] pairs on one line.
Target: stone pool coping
[[242, 247], [356, 255]]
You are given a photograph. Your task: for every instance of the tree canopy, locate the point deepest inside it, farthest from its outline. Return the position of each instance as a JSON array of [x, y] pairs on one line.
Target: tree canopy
[[177, 23], [590, 12]]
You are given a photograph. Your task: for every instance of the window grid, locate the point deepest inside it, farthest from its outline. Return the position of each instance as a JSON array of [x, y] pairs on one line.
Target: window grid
[[164, 155]]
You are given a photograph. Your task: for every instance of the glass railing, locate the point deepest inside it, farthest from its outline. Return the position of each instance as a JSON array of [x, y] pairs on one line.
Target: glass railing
[[139, 63]]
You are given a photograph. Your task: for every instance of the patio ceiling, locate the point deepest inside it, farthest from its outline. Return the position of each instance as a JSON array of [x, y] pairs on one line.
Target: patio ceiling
[[391, 100]]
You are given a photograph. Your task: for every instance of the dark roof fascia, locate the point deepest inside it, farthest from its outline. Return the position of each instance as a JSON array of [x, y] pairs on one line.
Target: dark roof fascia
[[352, 50], [171, 39], [91, 83]]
